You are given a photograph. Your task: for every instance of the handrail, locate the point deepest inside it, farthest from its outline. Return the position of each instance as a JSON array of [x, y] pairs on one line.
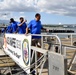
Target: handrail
[[62, 33], [62, 45], [50, 36], [40, 50]]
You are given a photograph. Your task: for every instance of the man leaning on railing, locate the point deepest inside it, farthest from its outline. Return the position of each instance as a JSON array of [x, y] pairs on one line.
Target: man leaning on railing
[[35, 27]]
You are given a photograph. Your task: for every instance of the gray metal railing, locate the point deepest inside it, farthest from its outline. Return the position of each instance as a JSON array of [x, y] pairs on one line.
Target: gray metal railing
[[43, 51], [60, 43]]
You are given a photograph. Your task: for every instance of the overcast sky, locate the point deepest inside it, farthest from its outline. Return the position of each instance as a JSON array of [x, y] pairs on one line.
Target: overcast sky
[[52, 11]]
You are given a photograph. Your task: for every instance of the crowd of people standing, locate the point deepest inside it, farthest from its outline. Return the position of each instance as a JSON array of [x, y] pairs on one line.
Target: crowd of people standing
[[21, 27], [17, 27]]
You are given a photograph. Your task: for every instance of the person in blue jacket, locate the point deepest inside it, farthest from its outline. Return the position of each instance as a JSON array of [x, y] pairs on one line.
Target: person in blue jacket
[[9, 28], [14, 25], [22, 26], [4, 30], [35, 27]]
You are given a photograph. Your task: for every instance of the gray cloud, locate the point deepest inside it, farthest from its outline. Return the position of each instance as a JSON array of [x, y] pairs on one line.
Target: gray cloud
[[18, 6], [62, 7]]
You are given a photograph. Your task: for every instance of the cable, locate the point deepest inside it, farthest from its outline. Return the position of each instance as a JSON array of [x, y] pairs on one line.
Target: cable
[[29, 67]]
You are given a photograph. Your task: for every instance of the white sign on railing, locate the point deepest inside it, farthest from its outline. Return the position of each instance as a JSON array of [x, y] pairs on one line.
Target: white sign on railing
[[18, 48]]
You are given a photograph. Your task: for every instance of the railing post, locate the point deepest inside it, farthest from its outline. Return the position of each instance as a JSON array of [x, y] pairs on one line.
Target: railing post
[[42, 42], [36, 62], [71, 39], [56, 39], [65, 51]]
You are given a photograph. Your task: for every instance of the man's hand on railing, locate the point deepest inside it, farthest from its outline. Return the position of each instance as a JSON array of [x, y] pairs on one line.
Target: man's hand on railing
[[26, 34], [47, 30]]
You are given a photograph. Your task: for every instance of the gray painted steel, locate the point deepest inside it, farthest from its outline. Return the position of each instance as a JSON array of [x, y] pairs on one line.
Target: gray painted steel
[[57, 64]]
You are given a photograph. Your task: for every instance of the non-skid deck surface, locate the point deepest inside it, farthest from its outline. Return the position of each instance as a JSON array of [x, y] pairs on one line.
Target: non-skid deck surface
[[5, 61]]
